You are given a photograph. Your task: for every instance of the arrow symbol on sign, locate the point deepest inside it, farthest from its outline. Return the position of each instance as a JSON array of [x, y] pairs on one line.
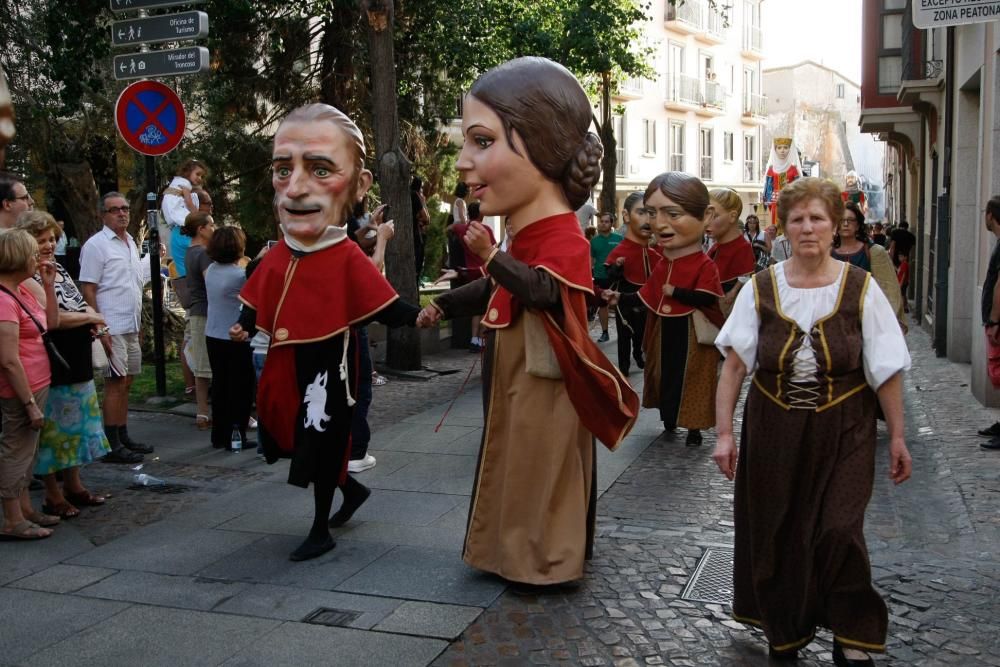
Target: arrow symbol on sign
[[123, 67], [121, 34]]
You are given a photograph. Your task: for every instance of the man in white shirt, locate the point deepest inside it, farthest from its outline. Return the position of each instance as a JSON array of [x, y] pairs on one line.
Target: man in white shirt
[[14, 200], [112, 276]]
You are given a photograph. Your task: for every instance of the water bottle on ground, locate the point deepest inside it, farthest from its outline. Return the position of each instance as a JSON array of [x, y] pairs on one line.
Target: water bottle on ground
[[236, 441], [142, 479]]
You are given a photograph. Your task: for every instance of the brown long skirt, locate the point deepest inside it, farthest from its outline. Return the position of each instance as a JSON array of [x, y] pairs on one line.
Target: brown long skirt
[[802, 484], [533, 502]]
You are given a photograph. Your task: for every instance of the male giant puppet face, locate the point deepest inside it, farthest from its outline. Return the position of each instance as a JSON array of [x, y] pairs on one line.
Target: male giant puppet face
[[674, 228], [315, 177]]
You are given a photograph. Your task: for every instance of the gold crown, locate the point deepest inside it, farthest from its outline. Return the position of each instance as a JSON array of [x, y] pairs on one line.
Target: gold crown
[[782, 141]]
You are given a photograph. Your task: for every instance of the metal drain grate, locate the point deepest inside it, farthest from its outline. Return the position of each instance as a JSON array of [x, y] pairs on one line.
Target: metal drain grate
[[336, 617], [713, 578]]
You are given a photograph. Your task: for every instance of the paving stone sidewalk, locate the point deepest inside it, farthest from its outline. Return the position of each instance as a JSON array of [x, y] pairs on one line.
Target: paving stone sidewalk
[[202, 576], [933, 545]]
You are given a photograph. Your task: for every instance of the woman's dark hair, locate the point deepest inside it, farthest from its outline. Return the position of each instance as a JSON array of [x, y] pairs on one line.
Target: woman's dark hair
[[474, 212], [684, 189], [358, 211], [461, 190], [752, 217], [548, 108], [227, 245], [993, 207], [861, 233], [632, 199], [417, 184]]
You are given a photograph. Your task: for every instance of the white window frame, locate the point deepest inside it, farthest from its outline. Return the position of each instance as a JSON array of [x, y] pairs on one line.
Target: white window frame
[[752, 160], [675, 158], [649, 137], [706, 152], [728, 147]]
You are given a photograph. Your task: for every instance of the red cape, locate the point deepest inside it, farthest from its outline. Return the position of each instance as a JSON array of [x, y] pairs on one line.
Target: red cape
[[304, 299], [604, 401], [733, 258], [692, 272], [640, 260]]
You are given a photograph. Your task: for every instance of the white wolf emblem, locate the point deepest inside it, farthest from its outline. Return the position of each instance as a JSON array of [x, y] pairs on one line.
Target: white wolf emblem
[[315, 401]]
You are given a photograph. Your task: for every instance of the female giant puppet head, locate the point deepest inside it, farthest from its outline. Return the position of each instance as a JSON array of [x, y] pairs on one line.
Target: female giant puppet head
[[318, 171], [528, 151]]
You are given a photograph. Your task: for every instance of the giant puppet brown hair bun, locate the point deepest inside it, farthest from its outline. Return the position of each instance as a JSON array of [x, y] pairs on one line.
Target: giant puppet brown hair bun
[[548, 108]]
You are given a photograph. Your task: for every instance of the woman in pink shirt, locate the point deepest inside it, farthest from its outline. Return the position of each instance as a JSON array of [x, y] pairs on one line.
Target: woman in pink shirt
[[26, 308]]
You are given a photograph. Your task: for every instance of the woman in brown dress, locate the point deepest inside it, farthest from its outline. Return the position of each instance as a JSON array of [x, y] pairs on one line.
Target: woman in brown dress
[[547, 387], [822, 343]]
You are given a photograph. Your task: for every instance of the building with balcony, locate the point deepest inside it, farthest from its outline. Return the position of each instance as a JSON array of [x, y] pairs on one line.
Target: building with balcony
[[705, 111], [820, 108], [932, 96]]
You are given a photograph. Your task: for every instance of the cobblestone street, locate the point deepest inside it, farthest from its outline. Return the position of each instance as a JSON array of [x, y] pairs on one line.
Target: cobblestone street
[[933, 547], [201, 576]]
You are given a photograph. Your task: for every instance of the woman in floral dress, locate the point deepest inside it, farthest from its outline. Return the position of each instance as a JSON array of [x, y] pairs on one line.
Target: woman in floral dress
[[73, 433]]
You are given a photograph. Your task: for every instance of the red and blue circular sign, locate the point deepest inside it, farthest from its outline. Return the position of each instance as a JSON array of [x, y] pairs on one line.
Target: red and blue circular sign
[[150, 118]]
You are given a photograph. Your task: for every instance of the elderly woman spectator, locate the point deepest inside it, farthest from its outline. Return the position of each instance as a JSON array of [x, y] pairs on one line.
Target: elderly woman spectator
[[25, 312], [233, 377], [822, 343], [73, 433]]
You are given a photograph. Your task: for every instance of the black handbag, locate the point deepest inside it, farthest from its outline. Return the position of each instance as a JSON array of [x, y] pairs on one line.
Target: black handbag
[[56, 361]]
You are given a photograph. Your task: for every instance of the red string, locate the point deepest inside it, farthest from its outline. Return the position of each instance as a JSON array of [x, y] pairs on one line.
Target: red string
[[458, 393]]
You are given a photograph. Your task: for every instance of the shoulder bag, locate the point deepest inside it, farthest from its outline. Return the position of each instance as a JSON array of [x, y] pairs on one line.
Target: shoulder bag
[[56, 360]]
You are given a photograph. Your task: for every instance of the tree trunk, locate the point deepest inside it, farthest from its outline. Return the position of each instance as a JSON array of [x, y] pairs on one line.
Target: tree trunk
[[78, 193], [609, 162], [403, 351], [337, 56]]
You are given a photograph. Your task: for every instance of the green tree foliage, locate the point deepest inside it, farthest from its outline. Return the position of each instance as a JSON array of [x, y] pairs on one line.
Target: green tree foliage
[[269, 56]]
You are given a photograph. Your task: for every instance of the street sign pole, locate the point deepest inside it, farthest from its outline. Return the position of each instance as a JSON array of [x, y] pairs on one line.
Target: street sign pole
[[156, 280], [150, 116]]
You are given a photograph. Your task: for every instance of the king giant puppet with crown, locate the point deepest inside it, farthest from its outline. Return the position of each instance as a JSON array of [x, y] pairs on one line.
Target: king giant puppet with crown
[[782, 168]]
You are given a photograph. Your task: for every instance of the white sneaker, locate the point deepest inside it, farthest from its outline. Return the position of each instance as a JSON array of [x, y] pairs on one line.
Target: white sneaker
[[252, 424], [361, 464]]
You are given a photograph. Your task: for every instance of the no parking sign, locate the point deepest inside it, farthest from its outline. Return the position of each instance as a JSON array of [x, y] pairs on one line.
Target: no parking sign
[[150, 118]]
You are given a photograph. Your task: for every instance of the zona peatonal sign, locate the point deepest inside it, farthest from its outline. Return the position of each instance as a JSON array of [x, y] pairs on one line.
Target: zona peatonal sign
[[942, 13], [150, 118]]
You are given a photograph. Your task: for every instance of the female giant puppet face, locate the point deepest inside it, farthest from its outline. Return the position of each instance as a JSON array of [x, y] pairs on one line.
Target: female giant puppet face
[[504, 181], [315, 178], [674, 228]]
